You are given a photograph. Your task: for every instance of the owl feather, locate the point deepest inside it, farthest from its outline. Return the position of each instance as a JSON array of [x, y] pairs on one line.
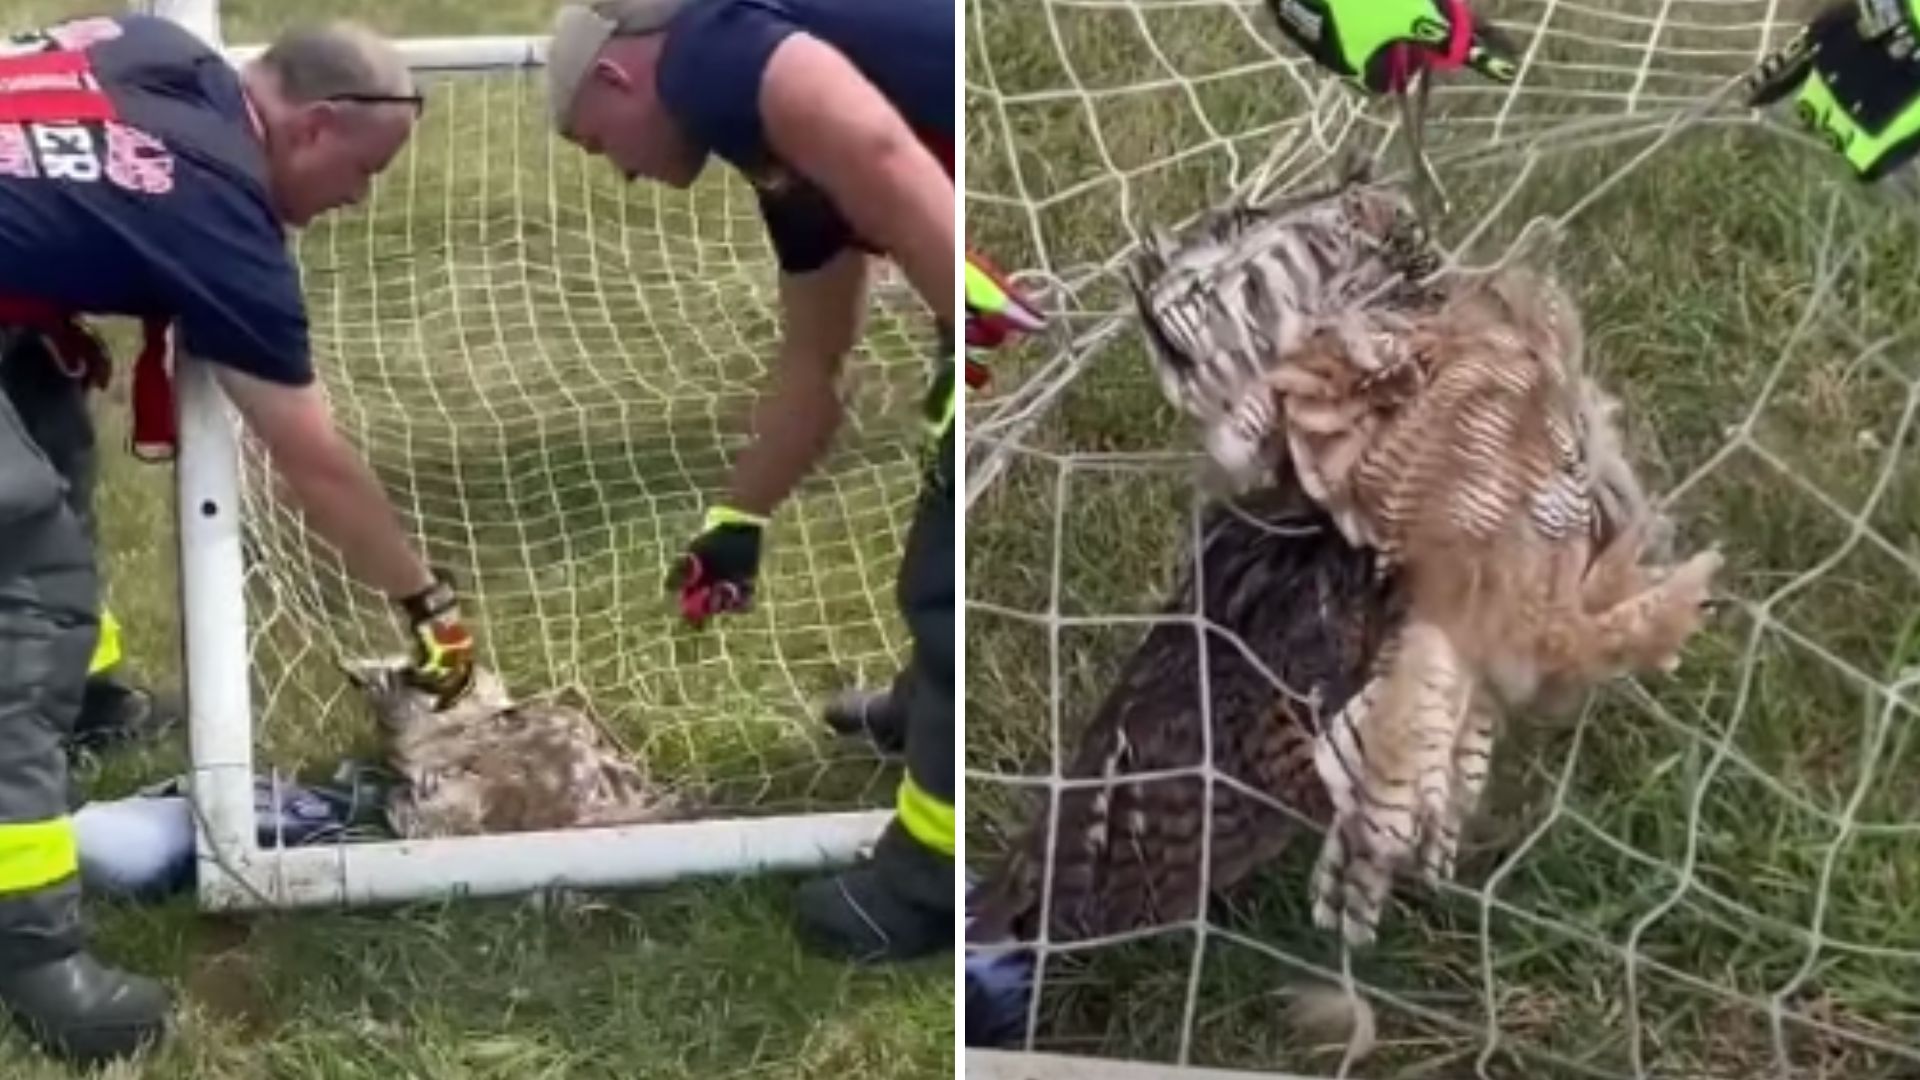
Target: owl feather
[[491, 764], [1448, 427]]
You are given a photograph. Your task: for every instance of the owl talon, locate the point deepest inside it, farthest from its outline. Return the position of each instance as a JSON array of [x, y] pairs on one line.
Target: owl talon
[[1326, 881], [1438, 850]]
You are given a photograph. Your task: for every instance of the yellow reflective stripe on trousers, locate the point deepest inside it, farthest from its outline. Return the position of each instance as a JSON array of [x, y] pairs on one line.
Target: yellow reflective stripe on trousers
[[939, 409], [927, 819], [34, 854], [106, 652]]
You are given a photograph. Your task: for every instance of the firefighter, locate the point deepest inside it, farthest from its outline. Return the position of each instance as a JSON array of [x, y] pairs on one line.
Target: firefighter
[[839, 113], [141, 175]]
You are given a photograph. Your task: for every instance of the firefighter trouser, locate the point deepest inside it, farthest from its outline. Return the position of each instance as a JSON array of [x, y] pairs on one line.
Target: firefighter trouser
[[926, 601], [107, 653], [48, 623]]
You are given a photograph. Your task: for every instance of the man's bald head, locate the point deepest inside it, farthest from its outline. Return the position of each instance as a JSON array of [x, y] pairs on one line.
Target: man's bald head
[[334, 61], [336, 102]]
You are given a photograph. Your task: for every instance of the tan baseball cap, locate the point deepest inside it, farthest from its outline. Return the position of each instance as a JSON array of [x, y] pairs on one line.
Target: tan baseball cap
[[579, 33]]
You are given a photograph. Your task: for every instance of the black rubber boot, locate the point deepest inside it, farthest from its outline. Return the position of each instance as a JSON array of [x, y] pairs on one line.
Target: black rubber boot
[[895, 906], [113, 713], [878, 716], [79, 1009]]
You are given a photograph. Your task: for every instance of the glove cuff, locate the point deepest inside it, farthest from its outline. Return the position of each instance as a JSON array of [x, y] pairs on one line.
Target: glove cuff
[[718, 516], [433, 601]]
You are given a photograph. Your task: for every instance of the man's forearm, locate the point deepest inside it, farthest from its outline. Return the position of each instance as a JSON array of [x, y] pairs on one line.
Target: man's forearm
[[794, 424], [344, 503]]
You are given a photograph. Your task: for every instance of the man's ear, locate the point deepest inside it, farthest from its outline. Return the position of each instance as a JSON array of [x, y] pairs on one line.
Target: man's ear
[[312, 120], [613, 74]]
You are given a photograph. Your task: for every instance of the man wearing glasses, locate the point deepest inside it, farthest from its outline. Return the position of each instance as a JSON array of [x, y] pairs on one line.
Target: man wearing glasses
[[141, 175]]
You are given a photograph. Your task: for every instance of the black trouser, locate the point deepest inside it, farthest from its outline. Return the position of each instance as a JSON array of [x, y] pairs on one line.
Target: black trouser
[[925, 593], [49, 593]]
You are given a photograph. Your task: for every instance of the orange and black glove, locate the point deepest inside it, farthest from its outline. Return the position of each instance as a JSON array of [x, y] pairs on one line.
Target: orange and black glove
[[442, 648], [716, 575]]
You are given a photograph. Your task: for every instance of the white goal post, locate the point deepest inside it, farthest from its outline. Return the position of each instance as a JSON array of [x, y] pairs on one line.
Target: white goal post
[[235, 871]]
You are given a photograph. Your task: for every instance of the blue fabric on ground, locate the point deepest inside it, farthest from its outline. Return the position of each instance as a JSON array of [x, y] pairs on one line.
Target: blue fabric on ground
[[137, 848], [998, 989], [141, 847]]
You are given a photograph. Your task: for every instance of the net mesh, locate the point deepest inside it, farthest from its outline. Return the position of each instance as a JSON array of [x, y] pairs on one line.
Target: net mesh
[[551, 370], [1708, 874]]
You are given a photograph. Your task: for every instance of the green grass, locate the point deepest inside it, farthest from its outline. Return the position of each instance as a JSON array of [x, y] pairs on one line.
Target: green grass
[[550, 370], [1695, 274]]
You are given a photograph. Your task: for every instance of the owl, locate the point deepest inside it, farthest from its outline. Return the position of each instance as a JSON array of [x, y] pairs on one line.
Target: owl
[[1245, 284], [487, 764], [1447, 425], [1294, 617]]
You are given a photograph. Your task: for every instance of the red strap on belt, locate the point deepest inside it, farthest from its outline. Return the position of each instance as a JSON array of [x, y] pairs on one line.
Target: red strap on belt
[[80, 355], [156, 435]]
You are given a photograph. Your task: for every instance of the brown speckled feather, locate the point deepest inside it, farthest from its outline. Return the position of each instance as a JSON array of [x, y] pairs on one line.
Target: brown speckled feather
[[1451, 429], [1313, 611]]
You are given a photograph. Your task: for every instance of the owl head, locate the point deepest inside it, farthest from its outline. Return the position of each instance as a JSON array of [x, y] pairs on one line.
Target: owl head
[[406, 710]]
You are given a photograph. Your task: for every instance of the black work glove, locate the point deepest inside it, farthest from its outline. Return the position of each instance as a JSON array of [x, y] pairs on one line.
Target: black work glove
[[717, 572]]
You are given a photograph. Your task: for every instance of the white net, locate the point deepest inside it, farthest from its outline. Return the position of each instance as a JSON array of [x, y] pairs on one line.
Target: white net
[[551, 370], [1709, 874]]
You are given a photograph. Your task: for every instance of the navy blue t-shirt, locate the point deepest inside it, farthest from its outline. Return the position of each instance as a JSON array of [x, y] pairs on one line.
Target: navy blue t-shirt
[[710, 70], [132, 183]]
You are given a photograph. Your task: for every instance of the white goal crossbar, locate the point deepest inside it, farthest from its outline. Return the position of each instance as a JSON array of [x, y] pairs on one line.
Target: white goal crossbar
[[235, 871]]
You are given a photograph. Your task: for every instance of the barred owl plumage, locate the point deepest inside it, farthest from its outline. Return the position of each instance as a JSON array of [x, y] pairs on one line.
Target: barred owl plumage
[[489, 764], [1452, 430]]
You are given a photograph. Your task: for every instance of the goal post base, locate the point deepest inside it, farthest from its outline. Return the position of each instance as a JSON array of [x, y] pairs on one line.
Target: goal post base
[[1010, 1065], [506, 864]]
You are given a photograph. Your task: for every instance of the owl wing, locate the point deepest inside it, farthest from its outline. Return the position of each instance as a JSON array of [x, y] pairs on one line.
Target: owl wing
[[1295, 615]]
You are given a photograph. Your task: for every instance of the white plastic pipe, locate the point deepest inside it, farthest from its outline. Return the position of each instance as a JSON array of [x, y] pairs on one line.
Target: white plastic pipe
[[219, 705], [449, 55], [212, 572], [200, 16], [1004, 1065], [510, 863]]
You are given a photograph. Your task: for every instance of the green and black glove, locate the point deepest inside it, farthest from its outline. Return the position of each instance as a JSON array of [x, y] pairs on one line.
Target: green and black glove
[[1384, 43], [717, 572], [442, 647], [1855, 81]]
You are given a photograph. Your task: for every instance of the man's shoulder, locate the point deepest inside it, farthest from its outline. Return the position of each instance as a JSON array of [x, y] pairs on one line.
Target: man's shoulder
[[132, 35]]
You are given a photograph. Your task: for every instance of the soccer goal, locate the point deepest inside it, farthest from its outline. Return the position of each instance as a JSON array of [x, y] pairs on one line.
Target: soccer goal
[[550, 370], [1702, 875]]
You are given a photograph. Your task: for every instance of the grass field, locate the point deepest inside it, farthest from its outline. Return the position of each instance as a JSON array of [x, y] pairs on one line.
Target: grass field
[[1649, 878], [550, 371]]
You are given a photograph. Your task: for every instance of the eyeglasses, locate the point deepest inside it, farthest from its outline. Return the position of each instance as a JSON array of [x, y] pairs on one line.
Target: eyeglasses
[[418, 101]]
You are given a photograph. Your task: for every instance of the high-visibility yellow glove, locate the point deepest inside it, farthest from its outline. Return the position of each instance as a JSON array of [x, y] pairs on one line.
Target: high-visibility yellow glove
[[1383, 43], [1855, 82], [995, 313]]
